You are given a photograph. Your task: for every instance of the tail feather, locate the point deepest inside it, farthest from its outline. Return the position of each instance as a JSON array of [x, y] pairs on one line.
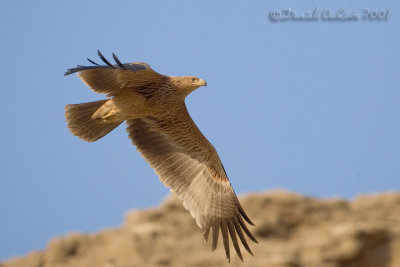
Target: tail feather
[[81, 124]]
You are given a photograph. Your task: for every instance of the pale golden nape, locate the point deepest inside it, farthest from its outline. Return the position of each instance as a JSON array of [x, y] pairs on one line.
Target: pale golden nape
[[161, 128]]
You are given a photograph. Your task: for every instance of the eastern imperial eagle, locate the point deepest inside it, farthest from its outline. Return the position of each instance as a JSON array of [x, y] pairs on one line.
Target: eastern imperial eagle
[[153, 106]]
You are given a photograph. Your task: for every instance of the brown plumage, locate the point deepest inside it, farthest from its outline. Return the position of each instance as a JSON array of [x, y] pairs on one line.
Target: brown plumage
[[153, 105]]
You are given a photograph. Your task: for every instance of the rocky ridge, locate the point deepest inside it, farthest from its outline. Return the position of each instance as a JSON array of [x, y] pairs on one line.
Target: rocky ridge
[[292, 230]]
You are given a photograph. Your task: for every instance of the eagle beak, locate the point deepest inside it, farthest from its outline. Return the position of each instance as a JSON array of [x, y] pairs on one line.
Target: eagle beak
[[204, 83]]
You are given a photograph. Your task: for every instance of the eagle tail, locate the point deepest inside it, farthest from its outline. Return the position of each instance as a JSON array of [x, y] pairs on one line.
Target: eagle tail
[[82, 124]]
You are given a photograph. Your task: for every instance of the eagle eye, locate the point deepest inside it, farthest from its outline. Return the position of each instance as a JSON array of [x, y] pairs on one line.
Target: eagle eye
[[193, 79]]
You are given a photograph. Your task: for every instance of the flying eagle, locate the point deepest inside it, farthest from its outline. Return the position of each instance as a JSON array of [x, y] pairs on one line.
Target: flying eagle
[[153, 106]]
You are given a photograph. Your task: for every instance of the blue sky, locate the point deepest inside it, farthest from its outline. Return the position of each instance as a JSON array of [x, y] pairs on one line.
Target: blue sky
[[312, 107]]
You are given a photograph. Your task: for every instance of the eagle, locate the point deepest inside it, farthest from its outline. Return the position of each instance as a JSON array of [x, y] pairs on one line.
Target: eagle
[[159, 125]]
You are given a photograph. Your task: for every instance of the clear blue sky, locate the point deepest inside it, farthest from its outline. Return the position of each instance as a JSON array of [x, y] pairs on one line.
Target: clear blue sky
[[312, 107]]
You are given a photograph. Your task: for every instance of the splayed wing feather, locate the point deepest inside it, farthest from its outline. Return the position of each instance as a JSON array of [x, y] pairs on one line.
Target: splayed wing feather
[[241, 236], [234, 239], [118, 62], [215, 228], [91, 61], [225, 239], [104, 59], [188, 164]]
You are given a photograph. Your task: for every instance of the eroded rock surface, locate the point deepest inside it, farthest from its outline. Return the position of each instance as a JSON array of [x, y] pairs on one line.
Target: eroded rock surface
[[292, 230]]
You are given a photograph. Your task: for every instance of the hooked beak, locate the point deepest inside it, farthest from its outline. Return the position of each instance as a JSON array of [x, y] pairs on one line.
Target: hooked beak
[[204, 83]]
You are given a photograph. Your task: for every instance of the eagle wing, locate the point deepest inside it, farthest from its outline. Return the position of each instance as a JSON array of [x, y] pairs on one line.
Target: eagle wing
[[110, 79], [188, 164]]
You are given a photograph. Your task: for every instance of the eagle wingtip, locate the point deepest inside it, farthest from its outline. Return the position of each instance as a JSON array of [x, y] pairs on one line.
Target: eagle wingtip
[[68, 72]]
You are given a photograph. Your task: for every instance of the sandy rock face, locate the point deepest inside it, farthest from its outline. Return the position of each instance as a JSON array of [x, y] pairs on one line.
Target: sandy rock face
[[292, 230]]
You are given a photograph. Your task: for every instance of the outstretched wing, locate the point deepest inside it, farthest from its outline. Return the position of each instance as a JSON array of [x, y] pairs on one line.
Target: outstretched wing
[[188, 164], [110, 79]]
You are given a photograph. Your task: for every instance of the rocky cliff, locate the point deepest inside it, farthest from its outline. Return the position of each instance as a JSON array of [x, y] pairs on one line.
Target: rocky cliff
[[292, 230]]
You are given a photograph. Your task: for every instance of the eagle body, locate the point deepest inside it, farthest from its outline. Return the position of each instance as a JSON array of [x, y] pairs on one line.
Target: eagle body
[[159, 125]]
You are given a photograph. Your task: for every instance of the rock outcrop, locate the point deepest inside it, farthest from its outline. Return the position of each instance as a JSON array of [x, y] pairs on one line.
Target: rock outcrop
[[292, 230]]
